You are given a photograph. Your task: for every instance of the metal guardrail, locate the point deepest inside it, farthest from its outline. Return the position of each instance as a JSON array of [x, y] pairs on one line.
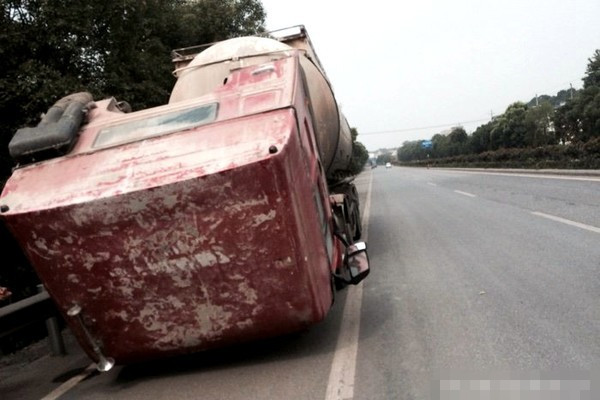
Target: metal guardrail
[[26, 312]]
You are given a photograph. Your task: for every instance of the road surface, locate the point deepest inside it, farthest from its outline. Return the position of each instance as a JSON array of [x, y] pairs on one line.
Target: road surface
[[474, 276]]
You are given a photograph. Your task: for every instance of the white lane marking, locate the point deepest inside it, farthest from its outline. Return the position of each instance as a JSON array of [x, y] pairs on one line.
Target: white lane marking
[[343, 367], [431, 184], [465, 193], [538, 176], [567, 221], [70, 384]]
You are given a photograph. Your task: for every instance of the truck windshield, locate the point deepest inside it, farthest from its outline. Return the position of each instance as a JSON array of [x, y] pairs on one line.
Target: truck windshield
[[155, 126]]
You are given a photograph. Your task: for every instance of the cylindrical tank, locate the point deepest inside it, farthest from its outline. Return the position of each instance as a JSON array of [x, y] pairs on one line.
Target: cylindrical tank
[[208, 70]]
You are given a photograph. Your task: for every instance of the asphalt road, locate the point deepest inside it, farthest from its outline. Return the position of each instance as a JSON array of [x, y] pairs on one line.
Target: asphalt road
[[472, 275], [468, 282]]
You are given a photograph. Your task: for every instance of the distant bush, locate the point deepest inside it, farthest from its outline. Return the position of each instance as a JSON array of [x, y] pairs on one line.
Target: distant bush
[[570, 156]]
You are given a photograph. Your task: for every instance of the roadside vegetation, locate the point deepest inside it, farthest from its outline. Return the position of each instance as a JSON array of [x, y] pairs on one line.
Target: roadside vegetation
[[561, 131], [360, 154]]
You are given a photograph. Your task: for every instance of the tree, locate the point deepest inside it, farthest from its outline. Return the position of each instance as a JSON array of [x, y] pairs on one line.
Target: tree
[[589, 100], [579, 119], [360, 155], [590, 113], [592, 73], [566, 123], [480, 140], [540, 130], [409, 151], [458, 139], [510, 128], [458, 135], [441, 146]]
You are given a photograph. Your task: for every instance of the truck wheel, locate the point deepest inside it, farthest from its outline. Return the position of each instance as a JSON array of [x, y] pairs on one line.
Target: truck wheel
[[355, 225], [355, 213], [339, 284], [357, 232]]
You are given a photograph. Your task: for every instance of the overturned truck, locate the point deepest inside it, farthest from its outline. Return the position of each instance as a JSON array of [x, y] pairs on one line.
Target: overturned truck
[[224, 216]]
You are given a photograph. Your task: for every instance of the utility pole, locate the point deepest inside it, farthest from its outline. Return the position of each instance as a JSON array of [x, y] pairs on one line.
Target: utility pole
[[536, 100], [571, 90], [488, 145]]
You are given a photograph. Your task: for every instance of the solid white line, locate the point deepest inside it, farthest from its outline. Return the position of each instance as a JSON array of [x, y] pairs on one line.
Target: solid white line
[[343, 367], [70, 384], [464, 193], [538, 176], [567, 221], [431, 184]]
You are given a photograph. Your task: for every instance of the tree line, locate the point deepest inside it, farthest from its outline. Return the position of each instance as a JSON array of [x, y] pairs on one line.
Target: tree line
[[570, 117]]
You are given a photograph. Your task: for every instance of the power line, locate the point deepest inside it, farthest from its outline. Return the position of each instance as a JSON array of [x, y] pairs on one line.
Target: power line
[[420, 128], [452, 124]]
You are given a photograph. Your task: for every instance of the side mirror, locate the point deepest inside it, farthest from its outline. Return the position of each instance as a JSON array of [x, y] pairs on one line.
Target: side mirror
[[357, 262]]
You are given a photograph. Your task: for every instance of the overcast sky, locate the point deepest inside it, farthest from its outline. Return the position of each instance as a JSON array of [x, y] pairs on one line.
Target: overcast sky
[[401, 65]]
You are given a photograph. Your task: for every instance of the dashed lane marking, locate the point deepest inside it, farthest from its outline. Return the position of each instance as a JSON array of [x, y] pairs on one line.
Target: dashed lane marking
[[567, 221], [465, 193]]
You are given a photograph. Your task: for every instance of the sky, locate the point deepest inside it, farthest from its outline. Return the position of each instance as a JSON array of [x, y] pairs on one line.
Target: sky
[[412, 69]]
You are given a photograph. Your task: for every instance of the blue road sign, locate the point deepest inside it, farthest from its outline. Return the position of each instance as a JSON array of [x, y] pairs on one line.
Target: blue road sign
[[426, 144]]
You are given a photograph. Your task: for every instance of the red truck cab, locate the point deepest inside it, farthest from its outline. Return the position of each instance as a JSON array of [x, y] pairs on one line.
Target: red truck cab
[[187, 226]]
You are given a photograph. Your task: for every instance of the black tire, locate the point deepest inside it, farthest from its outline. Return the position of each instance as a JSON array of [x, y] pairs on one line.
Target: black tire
[[339, 284], [353, 226]]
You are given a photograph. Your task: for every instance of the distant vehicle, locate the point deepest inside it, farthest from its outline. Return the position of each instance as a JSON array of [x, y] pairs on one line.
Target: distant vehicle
[[374, 165], [388, 165]]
